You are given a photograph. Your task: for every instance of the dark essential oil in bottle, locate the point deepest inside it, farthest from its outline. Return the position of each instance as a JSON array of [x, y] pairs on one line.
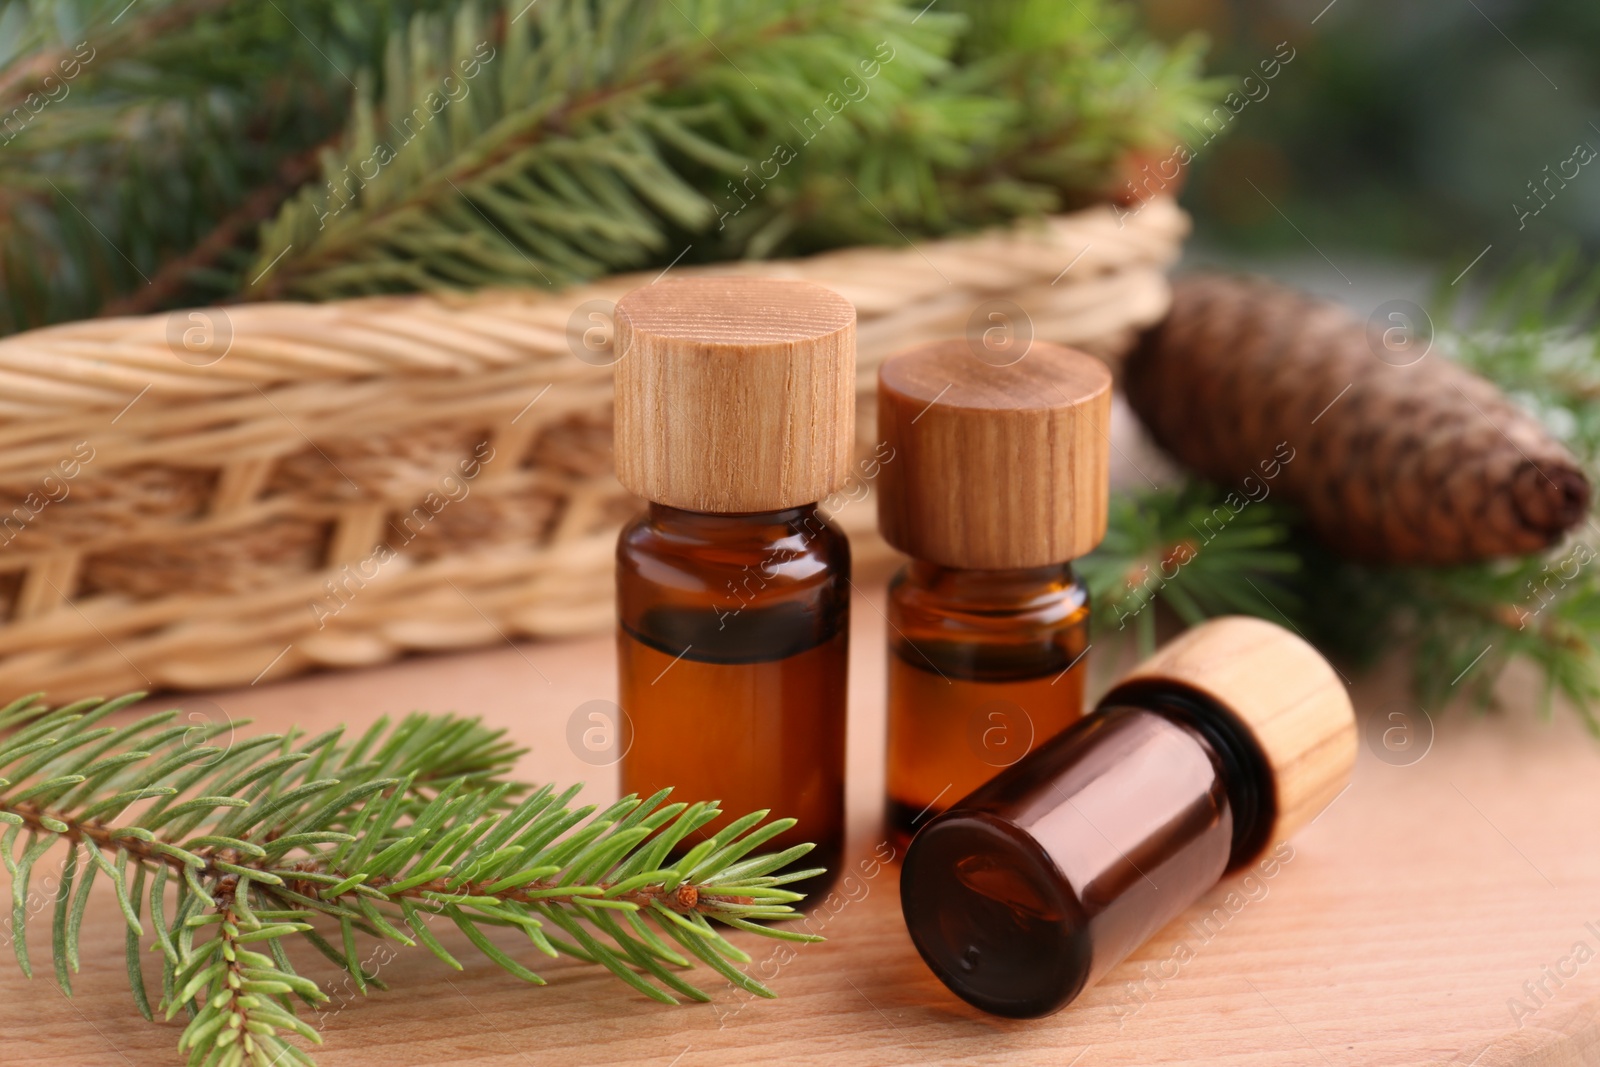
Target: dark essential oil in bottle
[[999, 479], [735, 415], [983, 665], [1028, 891]]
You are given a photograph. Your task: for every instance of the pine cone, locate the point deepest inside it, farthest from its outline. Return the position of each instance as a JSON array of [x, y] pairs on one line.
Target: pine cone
[[1425, 463]]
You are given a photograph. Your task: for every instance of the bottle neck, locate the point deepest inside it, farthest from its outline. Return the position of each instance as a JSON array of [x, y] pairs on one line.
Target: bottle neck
[[735, 530], [1242, 766], [966, 585]]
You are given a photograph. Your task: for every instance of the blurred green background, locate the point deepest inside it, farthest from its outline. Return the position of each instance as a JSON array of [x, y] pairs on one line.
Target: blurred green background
[[1401, 130]]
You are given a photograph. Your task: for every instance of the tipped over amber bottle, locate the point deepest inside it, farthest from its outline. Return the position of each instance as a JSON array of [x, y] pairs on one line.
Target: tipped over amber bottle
[[1224, 743], [734, 416], [999, 479]]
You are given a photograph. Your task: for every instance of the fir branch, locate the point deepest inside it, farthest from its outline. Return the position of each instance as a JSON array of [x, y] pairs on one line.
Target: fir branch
[[1196, 550], [604, 135], [233, 854], [1080, 115], [182, 112], [569, 146], [212, 251], [25, 72], [1464, 626], [1535, 333]]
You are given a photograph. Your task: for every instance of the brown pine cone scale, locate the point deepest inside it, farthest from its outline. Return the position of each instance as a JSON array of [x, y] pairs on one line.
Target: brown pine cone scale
[[1424, 463]]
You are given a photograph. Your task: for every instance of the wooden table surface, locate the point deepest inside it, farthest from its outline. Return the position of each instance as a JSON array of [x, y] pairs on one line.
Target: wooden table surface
[[1415, 914]]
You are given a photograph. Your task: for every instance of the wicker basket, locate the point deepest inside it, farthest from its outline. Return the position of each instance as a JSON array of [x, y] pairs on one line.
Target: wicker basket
[[303, 485]]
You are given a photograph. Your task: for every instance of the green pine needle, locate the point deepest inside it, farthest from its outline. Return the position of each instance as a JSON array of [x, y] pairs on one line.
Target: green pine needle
[[1460, 627], [282, 840], [1196, 550], [1536, 336]]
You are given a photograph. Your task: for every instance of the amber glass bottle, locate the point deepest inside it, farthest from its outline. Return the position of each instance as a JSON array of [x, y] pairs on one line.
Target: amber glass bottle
[[735, 414], [1030, 889], [999, 478]]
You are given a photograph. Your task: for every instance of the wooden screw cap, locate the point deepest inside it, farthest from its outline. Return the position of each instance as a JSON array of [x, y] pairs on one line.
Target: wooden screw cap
[[994, 466], [1282, 691], [734, 394]]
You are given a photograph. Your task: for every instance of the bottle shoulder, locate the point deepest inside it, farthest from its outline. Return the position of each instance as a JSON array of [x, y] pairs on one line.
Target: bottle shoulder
[[778, 579], [803, 549], [733, 588]]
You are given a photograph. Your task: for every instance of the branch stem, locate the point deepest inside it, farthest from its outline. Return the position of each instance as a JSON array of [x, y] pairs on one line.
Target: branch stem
[[665, 71], [685, 899]]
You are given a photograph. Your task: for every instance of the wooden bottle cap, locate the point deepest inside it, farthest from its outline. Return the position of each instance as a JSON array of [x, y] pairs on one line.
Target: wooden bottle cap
[[1282, 691], [734, 394], [994, 466]]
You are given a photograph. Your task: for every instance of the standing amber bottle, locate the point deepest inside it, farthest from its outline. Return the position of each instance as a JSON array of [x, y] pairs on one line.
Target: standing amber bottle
[[1225, 742], [1000, 478], [735, 415]]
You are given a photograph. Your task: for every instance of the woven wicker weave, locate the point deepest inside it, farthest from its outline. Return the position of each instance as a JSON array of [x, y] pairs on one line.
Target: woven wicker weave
[[351, 481]]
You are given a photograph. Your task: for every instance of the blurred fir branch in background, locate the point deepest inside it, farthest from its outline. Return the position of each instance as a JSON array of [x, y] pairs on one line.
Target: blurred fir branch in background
[[1535, 334], [1193, 548], [181, 152]]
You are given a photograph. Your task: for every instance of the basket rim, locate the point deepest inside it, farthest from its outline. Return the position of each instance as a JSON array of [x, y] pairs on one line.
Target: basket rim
[[111, 364]]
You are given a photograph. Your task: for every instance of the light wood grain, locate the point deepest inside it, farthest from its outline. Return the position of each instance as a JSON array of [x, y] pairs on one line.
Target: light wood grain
[[995, 464], [1408, 915], [734, 394], [1284, 693]]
